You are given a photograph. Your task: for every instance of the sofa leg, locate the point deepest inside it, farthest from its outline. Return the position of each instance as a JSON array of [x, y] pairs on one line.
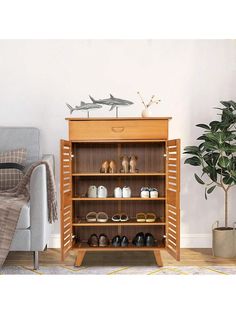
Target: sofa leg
[[36, 260]]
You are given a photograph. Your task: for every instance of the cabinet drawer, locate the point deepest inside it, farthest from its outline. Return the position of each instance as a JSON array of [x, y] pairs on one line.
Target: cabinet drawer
[[98, 130]]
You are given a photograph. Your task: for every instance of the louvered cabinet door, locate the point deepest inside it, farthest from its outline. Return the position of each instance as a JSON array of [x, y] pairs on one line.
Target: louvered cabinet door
[[173, 198], [66, 198]]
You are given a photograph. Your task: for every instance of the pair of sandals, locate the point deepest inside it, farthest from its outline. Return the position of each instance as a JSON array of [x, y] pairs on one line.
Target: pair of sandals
[[101, 241], [97, 217], [148, 217], [120, 217]]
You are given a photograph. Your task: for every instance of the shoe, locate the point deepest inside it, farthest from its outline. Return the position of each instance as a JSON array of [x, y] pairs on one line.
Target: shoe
[[126, 192], [149, 239], [124, 241], [120, 217], [150, 217], [103, 240], [116, 218], [139, 239], [92, 191], [124, 217], [145, 193], [102, 192], [93, 240], [141, 217], [153, 193], [91, 217], [102, 217], [116, 241]]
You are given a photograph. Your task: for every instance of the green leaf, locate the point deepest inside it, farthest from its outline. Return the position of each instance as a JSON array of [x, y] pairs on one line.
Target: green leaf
[[214, 125], [212, 137], [211, 189], [213, 174], [223, 162], [193, 161], [198, 179], [230, 149], [215, 157], [225, 103], [201, 148], [228, 180], [194, 150], [210, 147], [204, 126], [202, 138]]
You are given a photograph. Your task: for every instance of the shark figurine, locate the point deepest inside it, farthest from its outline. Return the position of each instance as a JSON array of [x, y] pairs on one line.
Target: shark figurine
[[84, 106], [112, 102]]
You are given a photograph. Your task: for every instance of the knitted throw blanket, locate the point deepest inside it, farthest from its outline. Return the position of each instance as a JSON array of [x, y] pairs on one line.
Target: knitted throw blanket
[[11, 202]]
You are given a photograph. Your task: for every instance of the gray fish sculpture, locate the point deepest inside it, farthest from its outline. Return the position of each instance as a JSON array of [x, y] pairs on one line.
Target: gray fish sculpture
[[112, 102], [84, 106]]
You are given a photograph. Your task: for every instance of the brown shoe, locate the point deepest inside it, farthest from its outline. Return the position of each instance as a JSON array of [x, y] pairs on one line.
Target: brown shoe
[[103, 240], [93, 240]]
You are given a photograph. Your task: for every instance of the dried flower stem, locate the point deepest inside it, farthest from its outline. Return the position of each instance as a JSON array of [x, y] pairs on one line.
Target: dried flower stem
[[141, 99], [152, 101]]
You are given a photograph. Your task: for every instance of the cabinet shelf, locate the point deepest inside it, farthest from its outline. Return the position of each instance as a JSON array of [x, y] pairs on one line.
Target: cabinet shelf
[[110, 223], [130, 247], [138, 174], [107, 199]]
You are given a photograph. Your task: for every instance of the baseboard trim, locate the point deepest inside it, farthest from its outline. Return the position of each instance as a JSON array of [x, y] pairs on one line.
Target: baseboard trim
[[199, 240], [54, 241]]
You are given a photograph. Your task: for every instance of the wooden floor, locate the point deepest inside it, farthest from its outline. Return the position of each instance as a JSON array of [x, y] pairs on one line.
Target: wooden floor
[[189, 257]]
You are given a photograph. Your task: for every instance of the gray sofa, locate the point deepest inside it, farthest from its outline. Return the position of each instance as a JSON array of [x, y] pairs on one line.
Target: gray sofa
[[33, 229]]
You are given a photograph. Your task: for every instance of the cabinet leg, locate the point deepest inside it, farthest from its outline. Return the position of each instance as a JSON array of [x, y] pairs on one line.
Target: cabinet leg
[[158, 258], [79, 258]]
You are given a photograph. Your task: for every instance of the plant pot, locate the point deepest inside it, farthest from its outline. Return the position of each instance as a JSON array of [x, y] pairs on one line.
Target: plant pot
[[224, 242]]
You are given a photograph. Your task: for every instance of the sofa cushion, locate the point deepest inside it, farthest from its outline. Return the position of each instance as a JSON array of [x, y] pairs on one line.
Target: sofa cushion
[[24, 218], [11, 167]]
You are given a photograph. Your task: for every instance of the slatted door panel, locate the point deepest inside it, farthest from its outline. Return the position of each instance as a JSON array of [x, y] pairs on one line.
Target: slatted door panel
[[173, 198], [66, 198]]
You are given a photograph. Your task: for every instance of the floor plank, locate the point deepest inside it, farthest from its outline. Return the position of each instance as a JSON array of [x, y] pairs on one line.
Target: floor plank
[[189, 257]]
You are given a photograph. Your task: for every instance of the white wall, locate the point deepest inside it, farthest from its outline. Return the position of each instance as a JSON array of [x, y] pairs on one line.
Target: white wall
[[190, 76]]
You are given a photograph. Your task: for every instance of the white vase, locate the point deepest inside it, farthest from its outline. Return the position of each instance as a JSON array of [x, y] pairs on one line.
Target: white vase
[[146, 113]]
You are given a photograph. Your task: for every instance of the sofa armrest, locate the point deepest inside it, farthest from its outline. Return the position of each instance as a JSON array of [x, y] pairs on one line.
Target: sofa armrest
[[40, 226], [51, 160]]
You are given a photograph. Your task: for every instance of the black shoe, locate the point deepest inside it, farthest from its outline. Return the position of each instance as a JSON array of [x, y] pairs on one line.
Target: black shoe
[[139, 239], [116, 241], [93, 240], [149, 239], [124, 241], [103, 240]]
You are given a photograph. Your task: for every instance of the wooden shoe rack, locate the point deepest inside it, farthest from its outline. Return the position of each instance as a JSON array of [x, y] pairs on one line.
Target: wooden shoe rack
[[92, 141]]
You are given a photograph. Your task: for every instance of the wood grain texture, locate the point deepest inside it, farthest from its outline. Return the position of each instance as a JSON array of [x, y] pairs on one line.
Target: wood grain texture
[[158, 258], [173, 200], [66, 197], [118, 129]]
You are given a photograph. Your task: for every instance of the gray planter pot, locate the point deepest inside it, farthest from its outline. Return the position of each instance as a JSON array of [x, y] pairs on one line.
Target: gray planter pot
[[224, 242]]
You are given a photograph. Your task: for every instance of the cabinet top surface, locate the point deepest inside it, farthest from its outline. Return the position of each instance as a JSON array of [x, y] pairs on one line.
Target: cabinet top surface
[[116, 119]]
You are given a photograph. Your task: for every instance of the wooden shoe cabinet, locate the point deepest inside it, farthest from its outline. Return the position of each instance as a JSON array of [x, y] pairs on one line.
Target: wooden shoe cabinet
[[92, 141]]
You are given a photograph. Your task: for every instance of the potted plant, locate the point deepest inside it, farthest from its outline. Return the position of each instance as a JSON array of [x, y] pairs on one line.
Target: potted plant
[[216, 158]]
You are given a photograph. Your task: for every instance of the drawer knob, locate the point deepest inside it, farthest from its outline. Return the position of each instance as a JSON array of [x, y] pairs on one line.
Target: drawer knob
[[117, 129]]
